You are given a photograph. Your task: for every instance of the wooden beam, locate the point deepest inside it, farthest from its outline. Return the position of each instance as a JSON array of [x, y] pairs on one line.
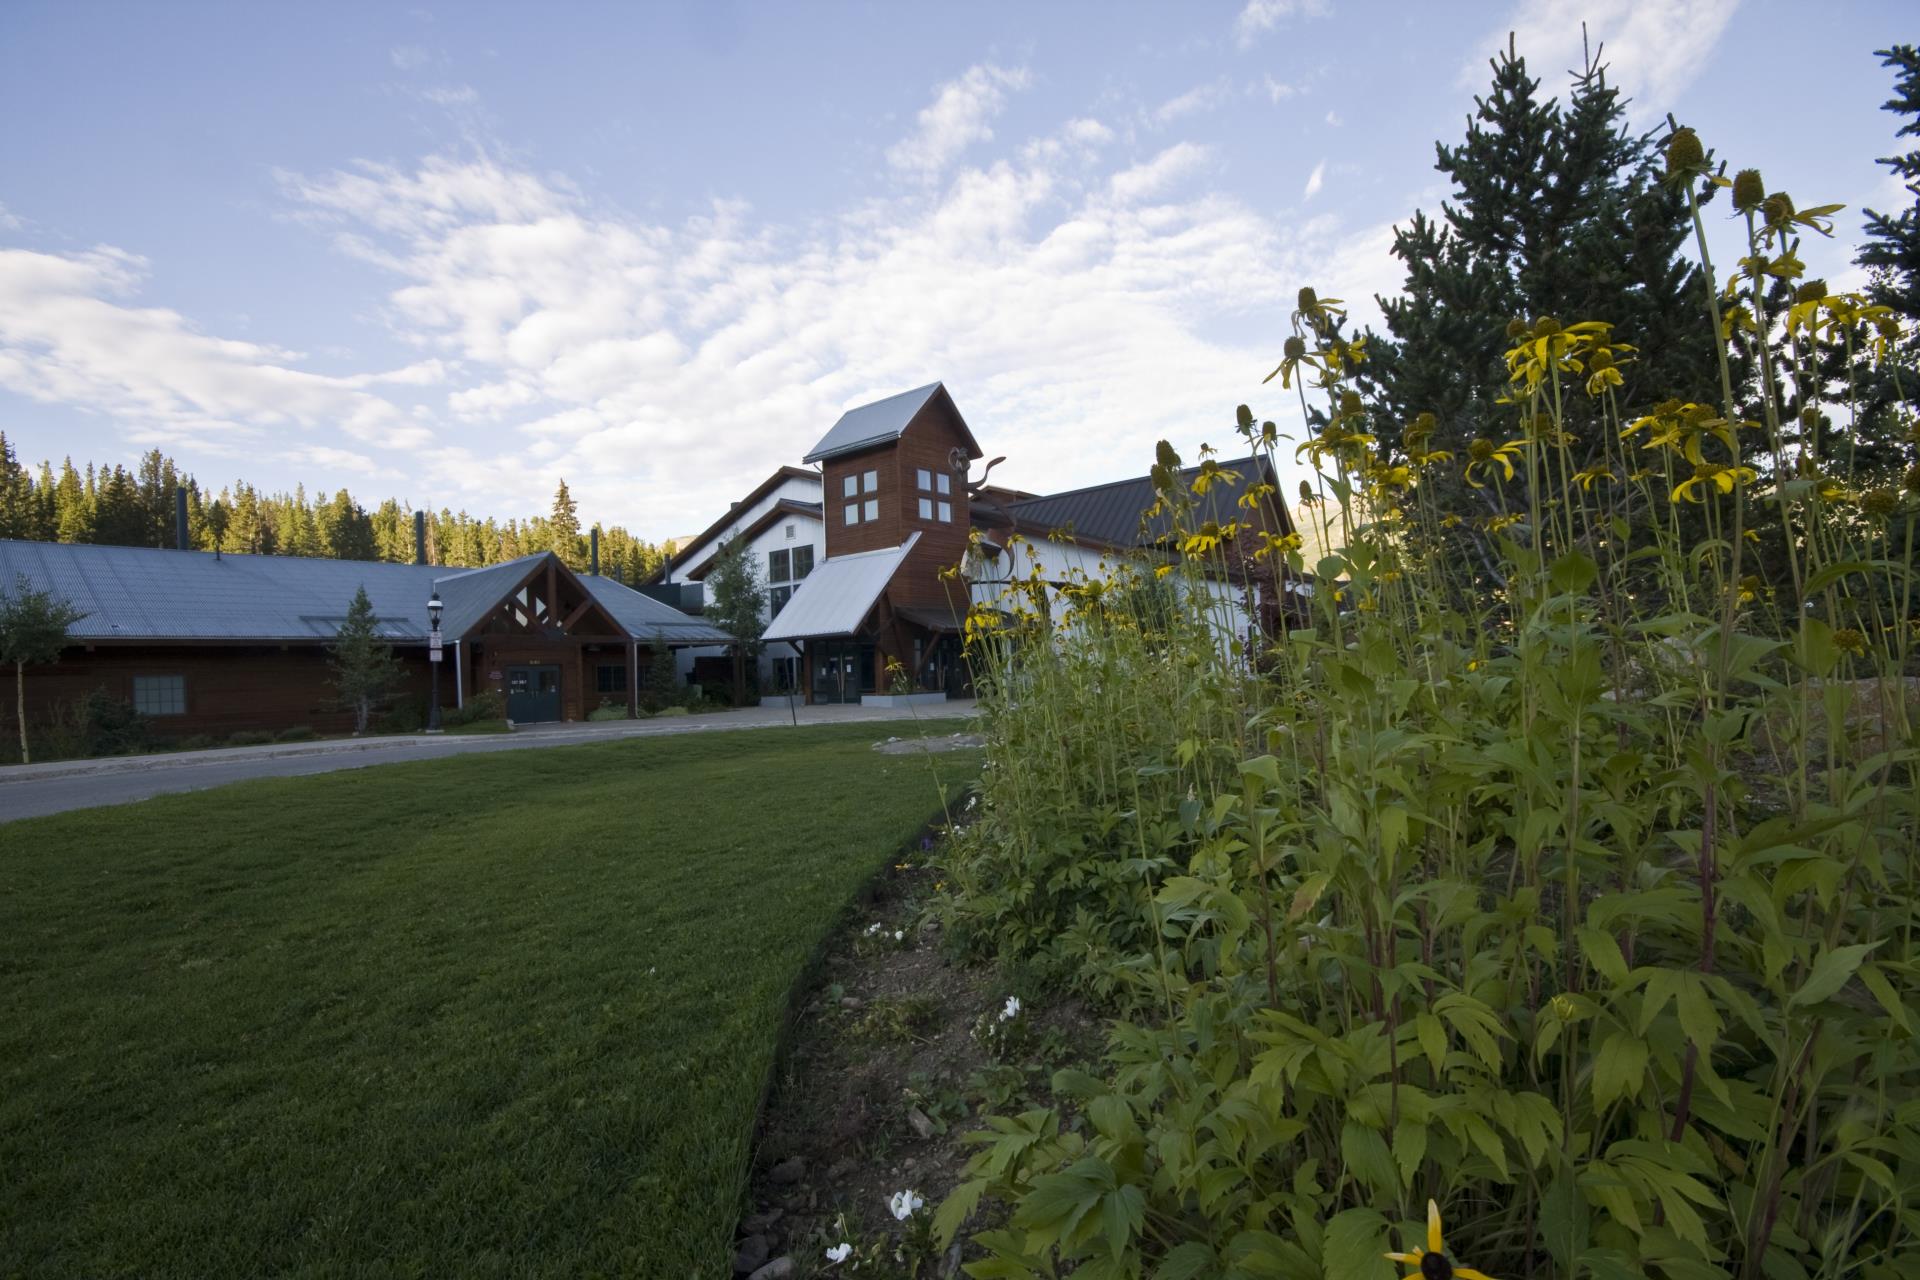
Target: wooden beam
[[577, 614]]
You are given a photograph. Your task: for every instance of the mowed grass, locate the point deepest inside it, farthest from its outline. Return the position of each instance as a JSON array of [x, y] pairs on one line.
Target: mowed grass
[[500, 1015]]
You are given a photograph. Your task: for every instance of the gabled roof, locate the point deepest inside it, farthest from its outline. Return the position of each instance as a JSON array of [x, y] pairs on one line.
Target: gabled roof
[[140, 593], [686, 550], [1113, 513], [884, 420], [768, 518], [837, 596]]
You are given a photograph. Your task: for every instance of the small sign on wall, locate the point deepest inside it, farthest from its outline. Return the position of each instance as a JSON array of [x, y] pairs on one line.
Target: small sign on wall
[[493, 675]]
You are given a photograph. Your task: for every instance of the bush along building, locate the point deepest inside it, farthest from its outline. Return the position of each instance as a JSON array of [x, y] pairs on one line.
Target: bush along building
[[204, 643], [874, 558]]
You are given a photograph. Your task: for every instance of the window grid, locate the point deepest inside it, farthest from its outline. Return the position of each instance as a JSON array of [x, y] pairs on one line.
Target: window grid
[[160, 695], [610, 679], [777, 565], [802, 562]]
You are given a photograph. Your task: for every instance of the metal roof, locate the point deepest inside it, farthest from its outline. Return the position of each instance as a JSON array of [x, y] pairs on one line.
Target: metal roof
[[141, 593], [835, 598], [871, 424], [1114, 512]]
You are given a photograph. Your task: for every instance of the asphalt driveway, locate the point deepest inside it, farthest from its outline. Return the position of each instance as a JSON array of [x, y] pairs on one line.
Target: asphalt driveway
[[27, 791]]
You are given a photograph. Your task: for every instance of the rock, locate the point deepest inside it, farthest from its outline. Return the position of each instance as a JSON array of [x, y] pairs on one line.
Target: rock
[[920, 1123], [789, 1171], [779, 1269], [950, 1265], [907, 1165], [751, 1254], [850, 1002], [840, 1170], [753, 1224]]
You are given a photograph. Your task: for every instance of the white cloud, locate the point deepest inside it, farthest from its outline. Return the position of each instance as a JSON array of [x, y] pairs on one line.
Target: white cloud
[[1315, 181], [1262, 16], [1278, 92], [406, 57], [1653, 48], [665, 367], [1333, 118], [70, 334], [956, 119], [10, 221], [1200, 98]]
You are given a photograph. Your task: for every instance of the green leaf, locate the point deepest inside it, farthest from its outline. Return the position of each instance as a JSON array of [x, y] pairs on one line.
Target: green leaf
[[1619, 1068], [1409, 1148], [1889, 998], [1356, 1246], [1121, 1212], [1563, 1222], [1433, 1039], [1573, 573], [1603, 953], [1830, 972], [956, 1209], [1369, 1159], [1186, 1261]]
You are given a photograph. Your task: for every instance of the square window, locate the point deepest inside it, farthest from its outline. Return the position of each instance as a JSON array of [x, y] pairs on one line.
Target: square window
[[872, 480], [777, 562], [946, 483], [160, 695], [946, 513], [777, 600], [789, 533], [802, 562], [609, 679], [924, 477], [926, 508], [853, 513], [873, 508], [849, 486]]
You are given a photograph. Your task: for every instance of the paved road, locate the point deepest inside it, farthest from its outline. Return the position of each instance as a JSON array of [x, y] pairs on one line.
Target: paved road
[[28, 791]]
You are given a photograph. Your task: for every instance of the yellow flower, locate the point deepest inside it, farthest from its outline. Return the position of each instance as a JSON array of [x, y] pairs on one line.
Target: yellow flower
[[1432, 1262], [1848, 640], [1592, 475], [1485, 454], [1693, 488]]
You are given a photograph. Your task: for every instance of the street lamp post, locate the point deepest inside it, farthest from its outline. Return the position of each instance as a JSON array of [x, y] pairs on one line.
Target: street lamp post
[[433, 657]]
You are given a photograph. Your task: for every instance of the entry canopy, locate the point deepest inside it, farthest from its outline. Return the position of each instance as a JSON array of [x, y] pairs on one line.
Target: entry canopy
[[836, 597]]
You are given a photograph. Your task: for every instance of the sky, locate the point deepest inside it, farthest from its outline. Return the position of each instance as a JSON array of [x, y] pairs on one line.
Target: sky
[[455, 254]]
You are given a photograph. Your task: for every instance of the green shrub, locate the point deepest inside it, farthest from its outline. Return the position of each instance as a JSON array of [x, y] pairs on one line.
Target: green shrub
[[297, 733], [249, 738], [1581, 907], [401, 717], [195, 742], [490, 705], [670, 711], [608, 711]]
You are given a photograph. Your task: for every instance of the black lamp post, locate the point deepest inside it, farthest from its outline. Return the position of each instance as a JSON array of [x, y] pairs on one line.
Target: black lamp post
[[433, 657]]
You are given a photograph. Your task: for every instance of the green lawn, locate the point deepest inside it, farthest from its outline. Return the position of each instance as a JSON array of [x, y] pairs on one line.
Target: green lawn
[[501, 1015]]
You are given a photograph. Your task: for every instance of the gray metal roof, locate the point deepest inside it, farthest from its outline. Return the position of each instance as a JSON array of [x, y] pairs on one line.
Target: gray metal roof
[[835, 597], [1114, 512], [140, 593], [872, 424]]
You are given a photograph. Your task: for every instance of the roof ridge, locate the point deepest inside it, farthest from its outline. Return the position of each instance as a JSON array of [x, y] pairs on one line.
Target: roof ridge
[[1111, 484]]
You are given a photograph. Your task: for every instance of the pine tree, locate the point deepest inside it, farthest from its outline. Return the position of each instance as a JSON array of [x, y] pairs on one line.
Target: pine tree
[[563, 529], [73, 509], [120, 517], [365, 671], [736, 606], [663, 680], [1893, 240], [16, 494], [1556, 210], [34, 628]]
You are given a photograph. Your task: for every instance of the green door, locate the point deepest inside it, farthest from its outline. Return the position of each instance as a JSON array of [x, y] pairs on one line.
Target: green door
[[533, 694]]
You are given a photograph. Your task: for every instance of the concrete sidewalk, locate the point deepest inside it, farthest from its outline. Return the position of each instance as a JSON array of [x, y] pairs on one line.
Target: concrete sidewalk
[[54, 787]]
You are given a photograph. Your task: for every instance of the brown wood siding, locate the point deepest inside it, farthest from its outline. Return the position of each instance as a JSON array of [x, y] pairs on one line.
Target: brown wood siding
[[845, 539], [928, 443], [228, 687]]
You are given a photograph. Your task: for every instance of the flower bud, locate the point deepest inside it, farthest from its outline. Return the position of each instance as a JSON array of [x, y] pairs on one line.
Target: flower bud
[[1600, 358], [1306, 492], [1880, 503], [1811, 291], [1516, 329], [1481, 450], [1295, 348], [1811, 419], [1309, 300], [1684, 152], [1778, 207], [1350, 404], [1748, 190], [1545, 327]]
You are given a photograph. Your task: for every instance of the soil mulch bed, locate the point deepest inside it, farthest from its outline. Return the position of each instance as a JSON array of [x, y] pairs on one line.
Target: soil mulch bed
[[889, 1064]]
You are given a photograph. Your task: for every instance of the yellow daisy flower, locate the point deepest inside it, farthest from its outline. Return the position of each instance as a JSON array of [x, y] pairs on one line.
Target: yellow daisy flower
[[1432, 1263]]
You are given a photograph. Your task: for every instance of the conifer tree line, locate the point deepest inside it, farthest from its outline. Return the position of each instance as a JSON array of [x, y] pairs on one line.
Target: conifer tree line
[[115, 506]]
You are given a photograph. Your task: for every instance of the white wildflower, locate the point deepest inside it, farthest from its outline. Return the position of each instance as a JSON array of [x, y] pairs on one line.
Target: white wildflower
[[904, 1204], [839, 1253], [874, 928], [1012, 1009], [899, 935]]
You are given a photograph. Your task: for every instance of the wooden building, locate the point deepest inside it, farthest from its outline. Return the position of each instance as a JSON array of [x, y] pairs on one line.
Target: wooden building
[[210, 644]]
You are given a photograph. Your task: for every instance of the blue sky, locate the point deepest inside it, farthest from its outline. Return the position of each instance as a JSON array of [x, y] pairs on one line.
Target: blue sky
[[455, 254]]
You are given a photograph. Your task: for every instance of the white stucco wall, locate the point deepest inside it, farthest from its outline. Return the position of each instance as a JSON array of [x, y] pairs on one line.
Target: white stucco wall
[[1061, 562]]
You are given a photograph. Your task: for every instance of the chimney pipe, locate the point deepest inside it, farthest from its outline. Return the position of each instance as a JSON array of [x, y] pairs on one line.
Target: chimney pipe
[[419, 537], [180, 519], [593, 551]]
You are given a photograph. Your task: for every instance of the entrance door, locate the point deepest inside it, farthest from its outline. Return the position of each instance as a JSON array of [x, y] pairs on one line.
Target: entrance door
[[533, 694], [842, 670]]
